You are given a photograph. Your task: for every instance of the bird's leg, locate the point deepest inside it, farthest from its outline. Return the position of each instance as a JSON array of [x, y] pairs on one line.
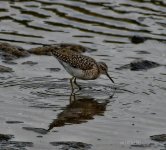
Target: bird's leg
[[72, 97], [79, 87], [71, 82]]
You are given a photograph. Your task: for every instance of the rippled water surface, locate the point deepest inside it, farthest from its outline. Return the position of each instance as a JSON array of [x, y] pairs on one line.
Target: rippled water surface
[[35, 99]]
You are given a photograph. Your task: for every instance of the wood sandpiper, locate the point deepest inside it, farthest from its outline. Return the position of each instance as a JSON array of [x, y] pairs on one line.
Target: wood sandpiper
[[80, 66]]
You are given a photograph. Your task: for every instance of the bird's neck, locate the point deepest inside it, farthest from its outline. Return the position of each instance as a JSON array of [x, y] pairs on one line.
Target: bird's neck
[[99, 69]]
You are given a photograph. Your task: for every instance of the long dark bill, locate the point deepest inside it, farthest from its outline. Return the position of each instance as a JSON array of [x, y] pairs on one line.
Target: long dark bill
[[109, 77]]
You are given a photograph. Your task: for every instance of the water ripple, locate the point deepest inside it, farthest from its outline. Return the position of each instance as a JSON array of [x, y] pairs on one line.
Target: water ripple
[[38, 97], [101, 18]]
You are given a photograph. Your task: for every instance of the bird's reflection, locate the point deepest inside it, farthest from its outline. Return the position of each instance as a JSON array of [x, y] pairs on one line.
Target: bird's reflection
[[80, 110]]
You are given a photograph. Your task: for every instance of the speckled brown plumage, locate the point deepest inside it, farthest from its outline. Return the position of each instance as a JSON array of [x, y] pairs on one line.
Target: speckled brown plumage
[[74, 59]]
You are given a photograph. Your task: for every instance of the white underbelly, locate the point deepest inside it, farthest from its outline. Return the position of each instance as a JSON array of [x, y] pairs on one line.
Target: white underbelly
[[78, 73]]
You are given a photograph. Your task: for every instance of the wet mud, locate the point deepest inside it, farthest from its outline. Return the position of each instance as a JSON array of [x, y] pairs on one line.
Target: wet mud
[[46, 50], [138, 65], [72, 145], [5, 69], [159, 138], [10, 52], [7, 143]]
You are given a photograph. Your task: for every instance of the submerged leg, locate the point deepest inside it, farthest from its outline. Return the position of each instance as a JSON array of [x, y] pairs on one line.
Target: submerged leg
[[71, 83], [72, 97], [79, 87]]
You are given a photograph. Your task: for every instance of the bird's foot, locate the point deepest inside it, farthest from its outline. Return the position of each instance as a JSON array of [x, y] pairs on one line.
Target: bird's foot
[[79, 87]]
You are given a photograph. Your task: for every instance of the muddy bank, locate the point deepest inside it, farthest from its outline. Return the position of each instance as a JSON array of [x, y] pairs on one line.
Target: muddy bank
[[159, 138], [10, 52], [71, 145], [46, 50], [139, 65], [5, 69], [6, 143]]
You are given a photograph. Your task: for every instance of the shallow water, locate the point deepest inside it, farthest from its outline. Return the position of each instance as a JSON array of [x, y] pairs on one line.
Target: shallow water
[[33, 96]]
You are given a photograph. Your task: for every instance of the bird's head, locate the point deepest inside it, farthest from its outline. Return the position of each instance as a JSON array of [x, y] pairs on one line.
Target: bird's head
[[103, 68]]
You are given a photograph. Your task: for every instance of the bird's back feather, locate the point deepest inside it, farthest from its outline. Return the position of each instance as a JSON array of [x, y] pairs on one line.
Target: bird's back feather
[[74, 59]]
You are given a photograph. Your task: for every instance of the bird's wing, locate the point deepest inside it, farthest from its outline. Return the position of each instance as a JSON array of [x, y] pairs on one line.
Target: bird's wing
[[74, 59], [82, 62]]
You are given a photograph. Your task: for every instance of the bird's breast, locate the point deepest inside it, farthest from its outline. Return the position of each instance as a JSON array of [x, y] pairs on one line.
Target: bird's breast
[[90, 74]]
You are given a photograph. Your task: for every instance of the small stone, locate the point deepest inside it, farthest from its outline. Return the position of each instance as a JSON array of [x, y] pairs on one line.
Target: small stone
[[9, 62], [37, 130], [54, 69], [31, 63], [45, 50], [140, 65], [72, 145], [14, 122], [137, 39], [142, 52], [143, 65], [159, 138], [4, 69], [39, 136], [5, 137]]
